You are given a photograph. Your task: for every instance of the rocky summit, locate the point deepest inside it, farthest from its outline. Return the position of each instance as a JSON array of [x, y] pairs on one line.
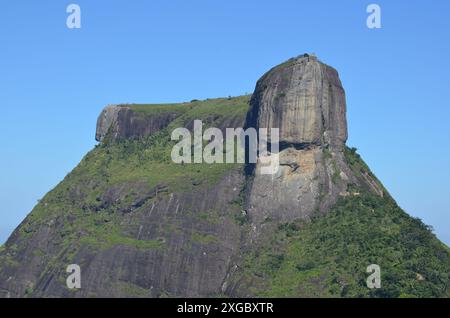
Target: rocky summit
[[139, 225]]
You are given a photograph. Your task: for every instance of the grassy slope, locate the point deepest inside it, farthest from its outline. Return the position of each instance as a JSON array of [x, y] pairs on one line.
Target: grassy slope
[[328, 257], [196, 109]]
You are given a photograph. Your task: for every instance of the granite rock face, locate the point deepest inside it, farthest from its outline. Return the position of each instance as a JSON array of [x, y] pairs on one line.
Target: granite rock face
[[140, 225], [108, 118], [121, 122], [305, 100], [191, 255]]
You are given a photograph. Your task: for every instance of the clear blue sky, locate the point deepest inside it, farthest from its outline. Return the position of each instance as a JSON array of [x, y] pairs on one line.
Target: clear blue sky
[[54, 81]]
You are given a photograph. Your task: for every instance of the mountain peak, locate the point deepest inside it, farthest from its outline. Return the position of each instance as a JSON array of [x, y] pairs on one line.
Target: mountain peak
[[138, 224], [305, 99]]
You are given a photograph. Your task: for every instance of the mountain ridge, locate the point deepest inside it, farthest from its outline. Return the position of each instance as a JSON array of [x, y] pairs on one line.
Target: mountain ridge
[[140, 225]]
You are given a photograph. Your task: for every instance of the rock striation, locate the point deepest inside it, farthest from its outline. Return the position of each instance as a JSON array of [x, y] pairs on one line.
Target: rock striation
[[304, 99], [121, 122]]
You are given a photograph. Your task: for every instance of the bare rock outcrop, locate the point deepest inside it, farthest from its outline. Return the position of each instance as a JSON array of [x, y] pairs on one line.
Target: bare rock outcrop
[[119, 121], [305, 100]]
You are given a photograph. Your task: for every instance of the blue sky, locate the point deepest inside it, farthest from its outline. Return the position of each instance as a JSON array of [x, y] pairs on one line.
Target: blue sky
[[54, 81]]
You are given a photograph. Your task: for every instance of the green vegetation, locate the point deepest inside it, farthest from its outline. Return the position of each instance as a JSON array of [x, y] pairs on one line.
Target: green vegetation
[[280, 95], [328, 257], [211, 216], [149, 158], [242, 217], [360, 168], [354, 160], [77, 204], [225, 107], [140, 160], [148, 109], [132, 290], [29, 290], [203, 238], [108, 236], [336, 173], [7, 256], [324, 257]]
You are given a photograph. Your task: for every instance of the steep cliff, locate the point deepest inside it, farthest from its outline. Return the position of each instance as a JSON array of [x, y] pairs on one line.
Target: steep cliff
[[139, 225], [304, 98]]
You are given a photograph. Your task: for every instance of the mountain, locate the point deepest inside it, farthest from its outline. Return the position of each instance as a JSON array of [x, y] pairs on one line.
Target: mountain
[[140, 225]]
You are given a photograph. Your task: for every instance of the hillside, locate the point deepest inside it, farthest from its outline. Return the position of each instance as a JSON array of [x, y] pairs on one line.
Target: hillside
[[140, 225]]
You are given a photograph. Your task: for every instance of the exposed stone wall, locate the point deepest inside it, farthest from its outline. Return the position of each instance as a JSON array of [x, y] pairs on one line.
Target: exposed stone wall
[[304, 98], [123, 122]]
